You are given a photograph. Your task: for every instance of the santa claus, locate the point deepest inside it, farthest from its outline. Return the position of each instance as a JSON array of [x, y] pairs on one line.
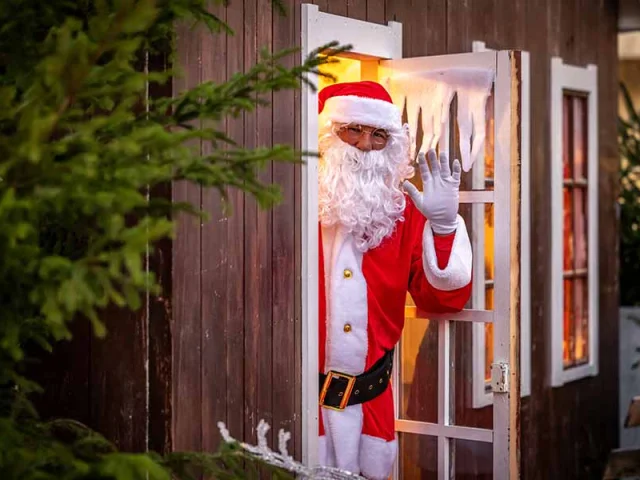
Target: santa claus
[[375, 245]]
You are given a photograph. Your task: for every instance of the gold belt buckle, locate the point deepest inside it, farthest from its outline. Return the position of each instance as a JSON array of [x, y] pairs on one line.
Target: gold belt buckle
[[351, 380]]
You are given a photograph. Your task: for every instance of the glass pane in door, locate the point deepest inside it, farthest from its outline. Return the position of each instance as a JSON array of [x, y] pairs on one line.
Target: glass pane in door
[[418, 369], [471, 460], [462, 411], [417, 457]]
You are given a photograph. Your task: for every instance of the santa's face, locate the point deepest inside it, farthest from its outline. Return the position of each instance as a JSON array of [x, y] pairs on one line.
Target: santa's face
[[360, 173]]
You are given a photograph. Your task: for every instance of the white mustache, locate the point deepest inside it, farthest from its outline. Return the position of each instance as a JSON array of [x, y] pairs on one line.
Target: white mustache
[[361, 190]]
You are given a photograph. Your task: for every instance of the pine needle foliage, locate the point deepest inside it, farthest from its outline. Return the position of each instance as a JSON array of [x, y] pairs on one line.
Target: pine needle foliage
[[629, 201], [81, 144]]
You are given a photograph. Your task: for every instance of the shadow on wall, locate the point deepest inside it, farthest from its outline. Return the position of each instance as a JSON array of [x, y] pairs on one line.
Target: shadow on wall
[[629, 377], [629, 331]]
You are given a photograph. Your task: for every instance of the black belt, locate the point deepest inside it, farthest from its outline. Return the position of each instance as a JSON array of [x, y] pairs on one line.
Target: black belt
[[337, 390]]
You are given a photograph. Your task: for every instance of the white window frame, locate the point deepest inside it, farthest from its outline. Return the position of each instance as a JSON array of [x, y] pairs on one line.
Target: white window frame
[[367, 39], [582, 80], [481, 393]]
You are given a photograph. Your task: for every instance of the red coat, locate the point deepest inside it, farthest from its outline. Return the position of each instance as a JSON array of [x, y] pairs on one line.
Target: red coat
[[371, 297]]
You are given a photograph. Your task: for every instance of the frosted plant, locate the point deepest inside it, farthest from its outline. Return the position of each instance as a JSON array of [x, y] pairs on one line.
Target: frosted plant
[[283, 459]]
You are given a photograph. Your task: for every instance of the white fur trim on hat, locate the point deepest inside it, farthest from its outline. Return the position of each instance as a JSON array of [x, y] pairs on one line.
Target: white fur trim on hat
[[363, 111]]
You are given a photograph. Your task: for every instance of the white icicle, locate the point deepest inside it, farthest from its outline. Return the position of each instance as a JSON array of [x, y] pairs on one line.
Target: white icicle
[[432, 92], [473, 91]]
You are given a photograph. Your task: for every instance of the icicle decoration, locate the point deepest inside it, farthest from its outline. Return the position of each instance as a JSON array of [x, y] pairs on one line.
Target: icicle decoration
[[283, 459], [432, 92]]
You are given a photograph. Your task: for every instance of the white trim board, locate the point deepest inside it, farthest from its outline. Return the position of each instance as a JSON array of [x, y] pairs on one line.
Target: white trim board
[[482, 396], [584, 80]]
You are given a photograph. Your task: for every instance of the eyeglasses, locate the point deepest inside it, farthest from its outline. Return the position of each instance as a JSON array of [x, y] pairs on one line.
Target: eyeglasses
[[353, 133]]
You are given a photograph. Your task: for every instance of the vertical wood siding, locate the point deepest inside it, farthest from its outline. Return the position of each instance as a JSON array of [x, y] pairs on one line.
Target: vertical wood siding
[[244, 287], [261, 322], [557, 430]]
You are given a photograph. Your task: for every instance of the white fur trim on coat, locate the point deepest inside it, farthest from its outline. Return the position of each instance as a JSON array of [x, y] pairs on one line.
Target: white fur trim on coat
[[342, 445], [377, 457], [457, 273], [363, 111], [345, 352]]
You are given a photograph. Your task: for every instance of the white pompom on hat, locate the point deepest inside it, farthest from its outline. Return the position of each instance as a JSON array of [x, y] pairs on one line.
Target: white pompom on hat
[[364, 103]]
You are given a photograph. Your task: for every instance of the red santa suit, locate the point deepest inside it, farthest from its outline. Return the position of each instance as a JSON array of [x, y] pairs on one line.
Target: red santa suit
[[362, 302]]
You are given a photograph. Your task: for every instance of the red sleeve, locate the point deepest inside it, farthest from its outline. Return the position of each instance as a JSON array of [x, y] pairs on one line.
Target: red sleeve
[[427, 297]]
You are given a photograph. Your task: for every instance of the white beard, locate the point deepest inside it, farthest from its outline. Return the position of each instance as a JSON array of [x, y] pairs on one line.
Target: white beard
[[361, 190]]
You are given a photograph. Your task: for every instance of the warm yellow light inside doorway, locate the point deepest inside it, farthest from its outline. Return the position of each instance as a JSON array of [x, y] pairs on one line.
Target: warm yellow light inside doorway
[[343, 69]]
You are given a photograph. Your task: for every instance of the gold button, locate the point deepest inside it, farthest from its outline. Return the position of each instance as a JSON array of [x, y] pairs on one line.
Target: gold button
[[347, 273], [347, 327]]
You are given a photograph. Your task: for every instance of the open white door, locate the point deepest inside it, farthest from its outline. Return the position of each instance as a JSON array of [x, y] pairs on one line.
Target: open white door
[[440, 432]]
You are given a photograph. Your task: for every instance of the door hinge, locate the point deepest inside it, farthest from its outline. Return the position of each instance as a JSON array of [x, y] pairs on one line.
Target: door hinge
[[499, 377]]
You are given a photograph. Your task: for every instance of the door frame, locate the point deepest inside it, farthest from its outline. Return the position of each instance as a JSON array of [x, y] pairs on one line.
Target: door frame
[[376, 42], [367, 40]]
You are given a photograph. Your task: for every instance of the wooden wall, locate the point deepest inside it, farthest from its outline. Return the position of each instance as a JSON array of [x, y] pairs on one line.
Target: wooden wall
[[235, 277], [222, 342], [566, 432]]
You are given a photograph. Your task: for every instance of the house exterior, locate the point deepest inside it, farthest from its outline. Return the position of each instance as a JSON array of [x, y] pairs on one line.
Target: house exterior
[[229, 339]]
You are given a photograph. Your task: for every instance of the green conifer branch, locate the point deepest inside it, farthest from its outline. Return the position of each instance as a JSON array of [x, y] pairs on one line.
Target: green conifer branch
[[80, 147]]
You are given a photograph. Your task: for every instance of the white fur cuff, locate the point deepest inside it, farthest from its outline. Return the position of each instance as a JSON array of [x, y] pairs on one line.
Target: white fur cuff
[[363, 111], [377, 457], [457, 273]]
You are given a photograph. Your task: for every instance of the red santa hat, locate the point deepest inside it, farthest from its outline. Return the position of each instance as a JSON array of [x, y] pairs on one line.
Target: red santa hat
[[363, 103]]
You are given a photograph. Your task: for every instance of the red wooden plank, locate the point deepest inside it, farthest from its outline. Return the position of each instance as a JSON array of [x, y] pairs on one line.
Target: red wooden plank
[[505, 24], [484, 27], [214, 268], [337, 7], [322, 4], [251, 249], [376, 11], [603, 20], [535, 435], [257, 239], [417, 33], [187, 393], [434, 28], [568, 30], [64, 374], [285, 378], [160, 358], [356, 9], [118, 382], [267, 377], [459, 21], [553, 26], [160, 311], [234, 316]]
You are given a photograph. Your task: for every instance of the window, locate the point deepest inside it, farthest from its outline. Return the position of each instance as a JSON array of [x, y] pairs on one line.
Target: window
[[483, 228], [574, 200]]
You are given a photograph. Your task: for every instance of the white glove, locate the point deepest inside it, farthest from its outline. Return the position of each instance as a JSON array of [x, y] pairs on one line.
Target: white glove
[[440, 196]]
